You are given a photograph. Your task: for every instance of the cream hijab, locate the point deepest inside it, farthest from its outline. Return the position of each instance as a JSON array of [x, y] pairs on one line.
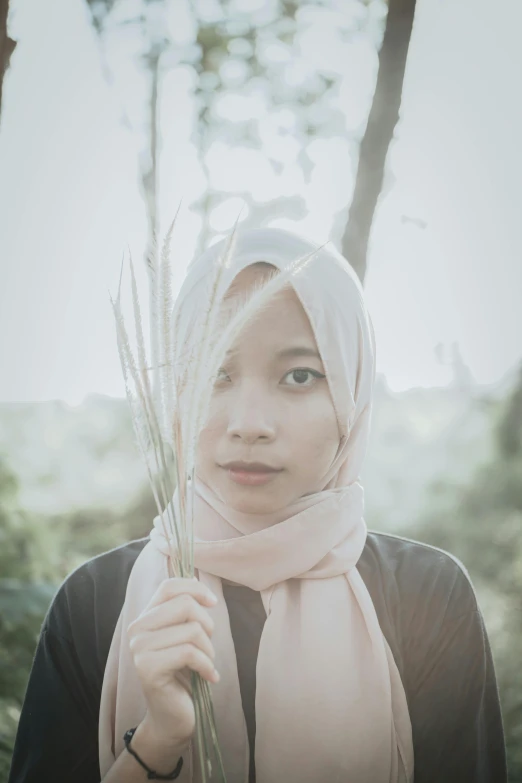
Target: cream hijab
[[330, 705]]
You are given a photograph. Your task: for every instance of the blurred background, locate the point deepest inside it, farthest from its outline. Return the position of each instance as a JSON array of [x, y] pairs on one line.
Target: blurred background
[[392, 129]]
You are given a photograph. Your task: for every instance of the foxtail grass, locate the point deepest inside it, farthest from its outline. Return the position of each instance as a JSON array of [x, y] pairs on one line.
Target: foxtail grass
[[167, 436]]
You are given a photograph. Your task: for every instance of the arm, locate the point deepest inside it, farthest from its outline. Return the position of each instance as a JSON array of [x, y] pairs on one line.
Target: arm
[[159, 757], [57, 732], [455, 710]]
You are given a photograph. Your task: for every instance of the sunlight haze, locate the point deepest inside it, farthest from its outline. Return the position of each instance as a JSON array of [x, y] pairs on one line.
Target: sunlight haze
[[444, 263]]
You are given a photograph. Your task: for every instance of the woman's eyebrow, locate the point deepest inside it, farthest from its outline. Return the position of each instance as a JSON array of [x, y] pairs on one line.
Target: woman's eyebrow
[[290, 352], [298, 350]]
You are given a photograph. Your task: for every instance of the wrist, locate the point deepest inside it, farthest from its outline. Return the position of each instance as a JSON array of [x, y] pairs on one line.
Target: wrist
[[159, 752]]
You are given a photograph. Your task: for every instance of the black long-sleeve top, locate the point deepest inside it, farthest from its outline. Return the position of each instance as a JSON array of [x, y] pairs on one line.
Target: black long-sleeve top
[[427, 610]]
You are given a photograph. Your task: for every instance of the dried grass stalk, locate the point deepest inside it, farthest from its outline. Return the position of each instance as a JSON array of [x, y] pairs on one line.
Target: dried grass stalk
[[166, 439]]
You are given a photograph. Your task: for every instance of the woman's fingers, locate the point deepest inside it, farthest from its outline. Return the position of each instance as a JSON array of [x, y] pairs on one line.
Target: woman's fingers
[[169, 640], [173, 633], [160, 666], [182, 608], [185, 633], [171, 588]]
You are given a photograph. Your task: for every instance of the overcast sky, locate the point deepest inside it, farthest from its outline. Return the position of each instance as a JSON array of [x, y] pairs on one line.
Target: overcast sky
[[69, 204]]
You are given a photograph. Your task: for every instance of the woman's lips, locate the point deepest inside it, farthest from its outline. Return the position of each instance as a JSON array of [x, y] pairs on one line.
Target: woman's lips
[[251, 477]]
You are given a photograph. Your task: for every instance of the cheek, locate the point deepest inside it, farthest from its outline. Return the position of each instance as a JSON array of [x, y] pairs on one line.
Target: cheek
[[315, 431], [208, 440]]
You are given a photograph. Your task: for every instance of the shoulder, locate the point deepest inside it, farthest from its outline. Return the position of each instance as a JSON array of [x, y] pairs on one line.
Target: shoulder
[[416, 588], [440, 645], [88, 602], [415, 572], [108, 571]]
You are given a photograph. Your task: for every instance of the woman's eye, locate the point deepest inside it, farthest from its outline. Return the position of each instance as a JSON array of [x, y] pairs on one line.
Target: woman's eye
[[303, 376], [300, 377]]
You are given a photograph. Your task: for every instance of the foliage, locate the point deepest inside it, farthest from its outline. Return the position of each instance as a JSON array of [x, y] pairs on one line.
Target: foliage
[[481, 523], [264, 92], [476, 515], [36, 554], [29, 562]]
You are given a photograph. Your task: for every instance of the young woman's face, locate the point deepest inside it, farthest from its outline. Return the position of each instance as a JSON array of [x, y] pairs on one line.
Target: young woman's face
[[271, 405]]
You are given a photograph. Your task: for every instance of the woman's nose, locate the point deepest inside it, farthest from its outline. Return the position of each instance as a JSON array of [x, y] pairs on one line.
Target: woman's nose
[[250, 416]]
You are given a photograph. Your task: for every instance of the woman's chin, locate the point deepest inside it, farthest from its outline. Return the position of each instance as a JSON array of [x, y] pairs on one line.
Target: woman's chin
[[250, 499], [248, 502]]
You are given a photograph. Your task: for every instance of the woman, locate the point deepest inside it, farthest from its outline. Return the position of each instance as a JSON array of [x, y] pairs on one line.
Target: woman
[[342, 655]]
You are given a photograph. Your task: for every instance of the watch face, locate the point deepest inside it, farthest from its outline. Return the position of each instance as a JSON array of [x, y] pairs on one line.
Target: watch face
[[128, 735]]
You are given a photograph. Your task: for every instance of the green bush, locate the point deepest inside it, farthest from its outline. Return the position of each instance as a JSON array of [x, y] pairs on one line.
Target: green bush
[[36, 554], [481, 523]]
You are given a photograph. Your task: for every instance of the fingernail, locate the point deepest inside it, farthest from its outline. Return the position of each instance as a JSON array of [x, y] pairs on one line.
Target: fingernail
[[213, 597], [217, 675]]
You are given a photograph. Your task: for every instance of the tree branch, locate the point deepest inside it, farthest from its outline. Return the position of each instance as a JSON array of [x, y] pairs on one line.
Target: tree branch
[[382, 121]]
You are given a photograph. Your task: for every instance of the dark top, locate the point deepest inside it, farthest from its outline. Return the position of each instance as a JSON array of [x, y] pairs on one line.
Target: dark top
[[427, 610]]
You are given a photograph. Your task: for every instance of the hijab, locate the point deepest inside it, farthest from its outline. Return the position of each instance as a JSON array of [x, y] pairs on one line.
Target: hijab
[[330, 704]]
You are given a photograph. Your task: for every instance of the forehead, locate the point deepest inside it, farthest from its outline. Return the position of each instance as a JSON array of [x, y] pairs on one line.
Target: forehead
[[255, 274], [283, 315]]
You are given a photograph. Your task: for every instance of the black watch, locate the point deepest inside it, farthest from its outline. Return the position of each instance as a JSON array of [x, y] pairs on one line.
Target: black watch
[[151, 774]]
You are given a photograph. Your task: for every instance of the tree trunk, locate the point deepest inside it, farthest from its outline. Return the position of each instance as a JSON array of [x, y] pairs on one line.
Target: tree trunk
[[382, 121], [7, 45]]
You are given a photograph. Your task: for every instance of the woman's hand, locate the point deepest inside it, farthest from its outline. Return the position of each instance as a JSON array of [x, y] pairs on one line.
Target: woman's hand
[[171, 635]]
